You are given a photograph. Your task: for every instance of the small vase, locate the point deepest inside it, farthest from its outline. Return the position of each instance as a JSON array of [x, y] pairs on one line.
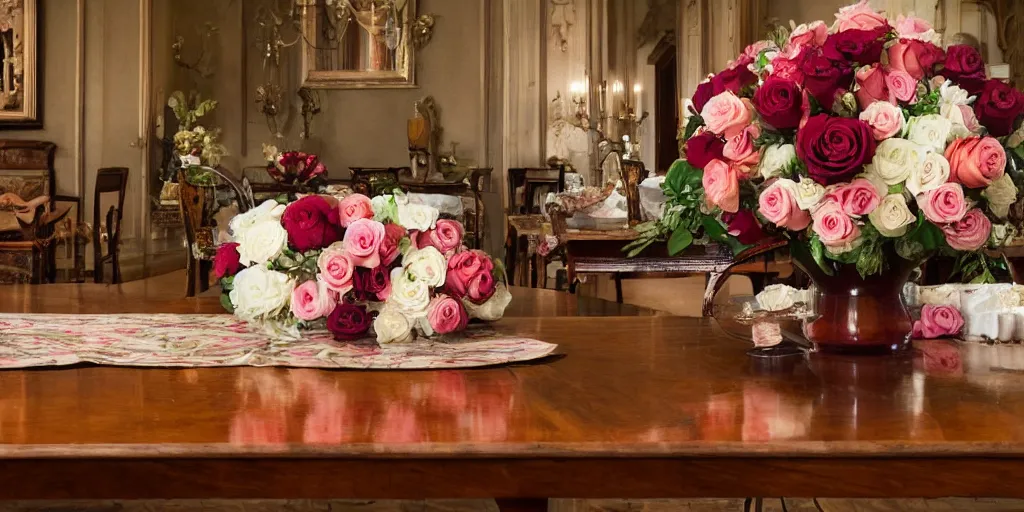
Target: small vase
[[857, 315]]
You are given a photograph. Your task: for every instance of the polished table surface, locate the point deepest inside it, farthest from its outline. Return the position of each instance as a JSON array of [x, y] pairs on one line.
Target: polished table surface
[[635, 406]]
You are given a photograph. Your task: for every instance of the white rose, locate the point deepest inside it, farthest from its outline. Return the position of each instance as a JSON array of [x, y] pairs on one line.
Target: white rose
[[392, 326], [885, 119], [1000, 194], [269, 210], [494, 308], [384, 208], [777, 297], [411, 296], [1002, 234], [892, 217], [417, 216], [896, 158], [261, 243], [426, 264], [951, 95], [934, 171], [808, 192], [777, 160], [930, 131], [259, 293]]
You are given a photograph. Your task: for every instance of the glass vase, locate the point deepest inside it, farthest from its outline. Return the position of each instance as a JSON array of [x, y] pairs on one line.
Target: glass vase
[[854, 314]]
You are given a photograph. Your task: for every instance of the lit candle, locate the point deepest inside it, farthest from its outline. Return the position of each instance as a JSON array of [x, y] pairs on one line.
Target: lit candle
[[636, 92]]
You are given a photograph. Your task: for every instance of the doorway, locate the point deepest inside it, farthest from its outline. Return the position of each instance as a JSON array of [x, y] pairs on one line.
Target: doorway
[[666, 113]]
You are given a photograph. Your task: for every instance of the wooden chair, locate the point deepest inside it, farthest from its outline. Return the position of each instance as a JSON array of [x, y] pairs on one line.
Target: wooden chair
[[108, 180], [197, 205], [525, 221], [530, 180], [27, 254]]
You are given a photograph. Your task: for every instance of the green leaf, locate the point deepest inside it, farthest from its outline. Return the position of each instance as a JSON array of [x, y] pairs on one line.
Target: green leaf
[[225, 301], [870, 261], [682, 177], [896, 189], [227, 283], [714, 229], [818, 253], [681, 239], [696, 121]]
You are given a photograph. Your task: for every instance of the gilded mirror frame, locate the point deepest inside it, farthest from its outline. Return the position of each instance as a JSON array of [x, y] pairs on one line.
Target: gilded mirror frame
[[402, 78]]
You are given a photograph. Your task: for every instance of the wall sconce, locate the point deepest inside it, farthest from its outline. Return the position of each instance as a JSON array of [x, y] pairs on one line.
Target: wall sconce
[[578, 94]]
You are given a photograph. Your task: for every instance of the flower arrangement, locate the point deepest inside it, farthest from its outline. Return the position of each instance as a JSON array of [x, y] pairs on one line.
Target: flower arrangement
[[857, 141], [192, 139], [294, 167], [357, 265]]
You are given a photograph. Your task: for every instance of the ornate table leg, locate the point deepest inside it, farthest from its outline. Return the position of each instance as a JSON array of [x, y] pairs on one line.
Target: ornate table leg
[[522, 504]]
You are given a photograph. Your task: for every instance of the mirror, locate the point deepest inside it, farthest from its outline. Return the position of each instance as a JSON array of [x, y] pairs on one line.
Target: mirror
[[358, 43]]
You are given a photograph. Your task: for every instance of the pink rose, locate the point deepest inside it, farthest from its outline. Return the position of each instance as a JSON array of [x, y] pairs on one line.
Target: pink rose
[[859, 16], [312, 300], [944, 204], [777, 204], [938, 322], [353, 208], [809, 34], [362, 242], [872, 86], [918, 58], [446, 315], [969, 233], [787, 64], [911, 27], [463, 267], [389, 251], [446, 236], [976, 162], [859, 197], [336, 269], [834, 227], [884, 118], [726, 114], [741, 151], [481, 287], [721, 186], [901, 85]]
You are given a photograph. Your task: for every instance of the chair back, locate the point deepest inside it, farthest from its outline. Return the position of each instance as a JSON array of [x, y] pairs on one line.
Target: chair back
[[108, 180], [525, 184]]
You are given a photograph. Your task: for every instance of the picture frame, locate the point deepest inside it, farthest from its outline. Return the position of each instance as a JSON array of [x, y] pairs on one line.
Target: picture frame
[[20, 77]]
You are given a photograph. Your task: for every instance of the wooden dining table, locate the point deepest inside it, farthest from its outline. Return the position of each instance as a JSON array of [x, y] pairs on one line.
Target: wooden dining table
[[635, 404]]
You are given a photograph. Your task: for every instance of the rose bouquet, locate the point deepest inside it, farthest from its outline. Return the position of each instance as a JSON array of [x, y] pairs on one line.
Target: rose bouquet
[[294, 167], [865, 144], [356, 266]]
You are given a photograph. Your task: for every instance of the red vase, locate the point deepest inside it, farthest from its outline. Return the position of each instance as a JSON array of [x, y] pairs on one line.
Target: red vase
[[857, 315]]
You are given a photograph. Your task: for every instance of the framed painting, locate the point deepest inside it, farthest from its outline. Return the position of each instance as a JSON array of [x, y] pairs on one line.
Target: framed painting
[[20, 104]]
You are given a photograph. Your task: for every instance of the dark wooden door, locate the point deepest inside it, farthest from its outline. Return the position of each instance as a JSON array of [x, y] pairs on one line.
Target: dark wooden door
[[667, 113]]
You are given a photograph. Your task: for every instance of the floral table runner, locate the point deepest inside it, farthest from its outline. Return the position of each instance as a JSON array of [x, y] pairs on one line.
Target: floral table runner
[[171, 340]]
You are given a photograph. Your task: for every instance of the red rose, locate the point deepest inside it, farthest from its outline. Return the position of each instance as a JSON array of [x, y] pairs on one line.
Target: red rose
[[370, 283], [823, 77], [481, 287], [973, 86], [915, 57], [779, 103], [226, 262], [744, 226], [703, 148], [963, 61], [704, 92], [348, 322], [834, 148], [860, 46], [311, 224], [733, 79], [872, 86], [998, 107]]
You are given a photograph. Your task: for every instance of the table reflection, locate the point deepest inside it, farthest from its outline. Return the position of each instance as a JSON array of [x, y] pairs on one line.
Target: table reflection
[[312, 407]]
